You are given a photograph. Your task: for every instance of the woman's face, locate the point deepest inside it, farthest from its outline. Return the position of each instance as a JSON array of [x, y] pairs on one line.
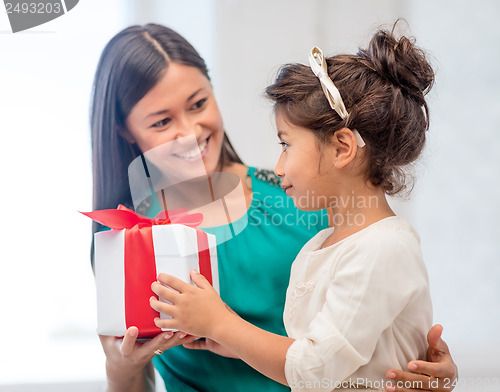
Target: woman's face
[[181, 104]]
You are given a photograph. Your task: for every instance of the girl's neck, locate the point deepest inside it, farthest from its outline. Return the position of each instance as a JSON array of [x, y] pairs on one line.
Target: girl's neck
[[355, 210]]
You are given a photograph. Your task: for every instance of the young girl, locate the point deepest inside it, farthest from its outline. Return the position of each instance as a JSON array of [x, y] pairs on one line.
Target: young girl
[[348, 127]]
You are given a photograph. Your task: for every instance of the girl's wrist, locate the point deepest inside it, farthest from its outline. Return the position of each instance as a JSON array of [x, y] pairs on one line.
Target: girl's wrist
[[223, 323]]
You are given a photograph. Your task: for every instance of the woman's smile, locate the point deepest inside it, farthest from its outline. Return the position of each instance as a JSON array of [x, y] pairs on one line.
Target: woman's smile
[[194, 153]]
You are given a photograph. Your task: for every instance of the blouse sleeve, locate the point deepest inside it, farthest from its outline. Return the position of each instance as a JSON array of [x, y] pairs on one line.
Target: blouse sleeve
[[370, 285]]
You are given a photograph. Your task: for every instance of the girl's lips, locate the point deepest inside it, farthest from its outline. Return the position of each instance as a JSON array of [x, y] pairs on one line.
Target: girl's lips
[[287, 188]]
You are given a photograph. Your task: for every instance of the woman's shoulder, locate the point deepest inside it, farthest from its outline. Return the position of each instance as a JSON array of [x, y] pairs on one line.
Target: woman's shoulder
[[266, 189], [265, 176], [270, 200]]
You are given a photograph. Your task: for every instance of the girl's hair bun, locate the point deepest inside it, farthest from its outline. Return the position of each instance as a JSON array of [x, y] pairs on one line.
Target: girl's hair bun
[[401, 62], [383, 88]]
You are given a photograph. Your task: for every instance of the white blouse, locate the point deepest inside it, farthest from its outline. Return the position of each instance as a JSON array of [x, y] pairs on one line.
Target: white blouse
[[357, 308]]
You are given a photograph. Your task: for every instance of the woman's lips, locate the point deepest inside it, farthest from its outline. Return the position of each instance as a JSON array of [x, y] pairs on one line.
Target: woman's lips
[[194, 153]]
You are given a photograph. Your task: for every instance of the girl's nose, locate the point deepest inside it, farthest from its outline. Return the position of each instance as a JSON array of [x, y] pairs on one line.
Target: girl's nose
[[278, 169]]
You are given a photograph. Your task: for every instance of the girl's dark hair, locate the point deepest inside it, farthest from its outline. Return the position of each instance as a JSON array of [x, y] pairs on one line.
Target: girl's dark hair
[[130, 65], [383, 88]]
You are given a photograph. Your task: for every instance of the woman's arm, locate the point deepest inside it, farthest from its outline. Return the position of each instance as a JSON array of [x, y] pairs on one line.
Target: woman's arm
[[128, 362], [200, 311], [439, 374]]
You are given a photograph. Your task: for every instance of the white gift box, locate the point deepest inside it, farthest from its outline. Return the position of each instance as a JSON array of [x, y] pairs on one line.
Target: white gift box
[[124, 274]]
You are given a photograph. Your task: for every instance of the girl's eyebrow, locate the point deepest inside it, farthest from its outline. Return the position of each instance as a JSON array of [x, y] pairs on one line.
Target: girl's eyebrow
[[165, 111], [281, 133]]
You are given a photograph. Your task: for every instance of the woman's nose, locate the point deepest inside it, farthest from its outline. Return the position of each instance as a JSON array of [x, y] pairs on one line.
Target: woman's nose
[[188, 126]]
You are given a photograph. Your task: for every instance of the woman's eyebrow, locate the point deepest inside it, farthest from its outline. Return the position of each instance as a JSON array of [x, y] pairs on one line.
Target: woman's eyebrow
[[157, 113], [165, 111], [194, 94]]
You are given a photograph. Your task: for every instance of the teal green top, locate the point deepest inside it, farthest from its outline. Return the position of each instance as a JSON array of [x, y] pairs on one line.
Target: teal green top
[[254, 269]]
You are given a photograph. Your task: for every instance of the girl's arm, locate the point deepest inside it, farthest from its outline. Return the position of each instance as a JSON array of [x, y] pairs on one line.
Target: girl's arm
[[128, 362], [200, 311]]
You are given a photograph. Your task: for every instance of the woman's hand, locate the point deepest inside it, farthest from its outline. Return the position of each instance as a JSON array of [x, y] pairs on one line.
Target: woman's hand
[[439, 374], [128, 362], [210, 345], [194, 309]]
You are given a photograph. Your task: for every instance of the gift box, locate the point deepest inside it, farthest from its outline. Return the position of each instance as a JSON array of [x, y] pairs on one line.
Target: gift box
[[128, 259]]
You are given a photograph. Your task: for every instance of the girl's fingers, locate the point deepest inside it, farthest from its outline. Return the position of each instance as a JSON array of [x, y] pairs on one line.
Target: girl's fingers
[[162, 307], [173, 282], [166, 324], [164, 292], [199, 280]]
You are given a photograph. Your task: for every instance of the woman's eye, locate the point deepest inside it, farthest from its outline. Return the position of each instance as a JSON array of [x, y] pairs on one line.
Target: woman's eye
[[199, 104], [284, 146], [161, 123]]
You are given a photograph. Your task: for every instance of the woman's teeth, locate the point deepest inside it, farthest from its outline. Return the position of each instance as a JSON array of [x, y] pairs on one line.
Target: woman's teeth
[[193, 153]]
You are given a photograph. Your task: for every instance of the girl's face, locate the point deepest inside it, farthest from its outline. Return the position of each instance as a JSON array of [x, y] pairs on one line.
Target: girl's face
[[307, 179], [182, 103]]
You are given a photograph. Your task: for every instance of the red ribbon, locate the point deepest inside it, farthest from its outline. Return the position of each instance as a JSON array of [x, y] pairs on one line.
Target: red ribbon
[[140, 272]]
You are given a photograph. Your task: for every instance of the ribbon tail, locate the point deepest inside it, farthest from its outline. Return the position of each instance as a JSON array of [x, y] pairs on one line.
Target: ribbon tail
[[204, 255]]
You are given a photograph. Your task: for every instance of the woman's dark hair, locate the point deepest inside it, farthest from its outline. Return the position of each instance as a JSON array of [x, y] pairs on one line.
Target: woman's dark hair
[[130, 65], [383, 88]]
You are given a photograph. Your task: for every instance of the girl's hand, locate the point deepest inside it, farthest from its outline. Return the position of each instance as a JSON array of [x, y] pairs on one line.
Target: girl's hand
[[196, 310], [127, 361], [438, 374]]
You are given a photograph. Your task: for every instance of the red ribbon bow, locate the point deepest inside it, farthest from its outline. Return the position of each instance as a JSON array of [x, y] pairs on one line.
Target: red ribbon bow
[[125, 218], [140, 262]]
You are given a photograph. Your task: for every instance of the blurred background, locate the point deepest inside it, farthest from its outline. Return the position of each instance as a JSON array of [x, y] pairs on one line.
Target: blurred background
[[47, 299]]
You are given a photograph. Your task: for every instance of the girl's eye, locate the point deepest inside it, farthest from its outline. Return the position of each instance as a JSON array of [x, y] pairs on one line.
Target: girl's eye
[[199, 104], [284, 146], [161, 123]]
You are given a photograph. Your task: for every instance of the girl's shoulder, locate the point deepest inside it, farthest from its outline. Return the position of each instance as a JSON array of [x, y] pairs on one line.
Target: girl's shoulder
[[389, 231], [391, 241]]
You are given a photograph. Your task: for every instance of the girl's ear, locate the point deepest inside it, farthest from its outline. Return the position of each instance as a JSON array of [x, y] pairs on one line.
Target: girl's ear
[[345, 145], [125, 134]]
